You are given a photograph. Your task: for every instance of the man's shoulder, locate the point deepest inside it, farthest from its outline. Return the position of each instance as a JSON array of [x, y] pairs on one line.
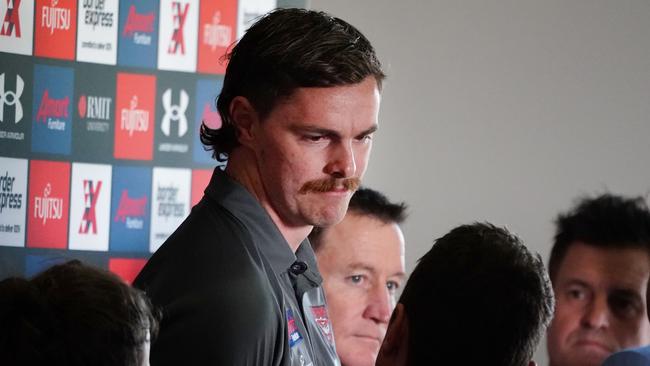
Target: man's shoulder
[[630, 357]]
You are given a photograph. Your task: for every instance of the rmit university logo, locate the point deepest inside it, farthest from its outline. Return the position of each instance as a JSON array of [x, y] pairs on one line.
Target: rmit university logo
[[139, 26], [216, 34], [11, 20], [131, 211], [11, 98], [46, 207], [134, 119], [97, 110], [53, 112], [177, 43], [174, 112], [91, 194], [54, 18]]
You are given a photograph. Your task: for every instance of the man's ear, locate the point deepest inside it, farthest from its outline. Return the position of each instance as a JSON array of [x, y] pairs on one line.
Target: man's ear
[[394, 349], [244, 119]]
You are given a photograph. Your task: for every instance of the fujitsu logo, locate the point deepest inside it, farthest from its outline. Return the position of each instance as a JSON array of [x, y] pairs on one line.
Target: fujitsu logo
[[51, 110], [95, 107], [134, 119], [54, 18], [215, 34], [131, 211], [137, 25], [11, 21], [46, 207], [10, 98], [210, 118], [91, 194], [178, 40], [174, 112]]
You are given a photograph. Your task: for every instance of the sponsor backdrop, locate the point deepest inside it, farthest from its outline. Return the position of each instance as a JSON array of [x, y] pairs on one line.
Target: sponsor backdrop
[[100, 107]]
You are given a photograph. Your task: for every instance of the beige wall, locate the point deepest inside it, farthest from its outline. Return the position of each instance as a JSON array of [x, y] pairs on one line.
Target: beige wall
[[506, 110]]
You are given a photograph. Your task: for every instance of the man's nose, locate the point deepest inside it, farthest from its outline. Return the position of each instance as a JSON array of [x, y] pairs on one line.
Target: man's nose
[[379, 305], [596, 314], [342, 162]]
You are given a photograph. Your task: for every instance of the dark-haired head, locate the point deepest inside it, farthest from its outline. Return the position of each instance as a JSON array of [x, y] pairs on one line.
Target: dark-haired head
[[74, 314], [607, 221], [285, 50], [477, 280]]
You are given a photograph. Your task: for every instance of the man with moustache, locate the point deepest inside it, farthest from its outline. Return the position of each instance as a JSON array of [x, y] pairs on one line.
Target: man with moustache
[[599, 266], [238, 281], [362, 262]]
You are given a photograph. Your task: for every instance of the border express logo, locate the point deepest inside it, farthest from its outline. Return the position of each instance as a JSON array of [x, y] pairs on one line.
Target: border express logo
[[49, 194], [56, 28], [170, 203], [249, 11], [130, 218], [206, 111], [138, 33], [177, 42], [217, 31], [134, 116], [97, 36], [17, 28], [13, 201], [90, 206], [52, 109]]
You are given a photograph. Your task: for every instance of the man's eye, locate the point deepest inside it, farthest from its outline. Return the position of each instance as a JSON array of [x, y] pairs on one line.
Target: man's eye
[[624, 307], [314, 138], [365, 138], [356, 279], [392, 286], [576, 294]]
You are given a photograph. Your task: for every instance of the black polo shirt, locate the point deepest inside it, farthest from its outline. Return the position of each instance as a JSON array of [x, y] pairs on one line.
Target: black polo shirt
[[233, 292]]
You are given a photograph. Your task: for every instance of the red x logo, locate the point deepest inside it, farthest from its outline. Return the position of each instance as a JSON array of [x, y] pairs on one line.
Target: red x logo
[[11, 22], [91, 193], [178, 41]]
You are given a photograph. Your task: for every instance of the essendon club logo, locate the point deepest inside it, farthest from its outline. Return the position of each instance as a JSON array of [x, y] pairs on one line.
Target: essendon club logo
[[322, 319], [179, 13], [11, 20], [91, 194], [131, 211], [134, 112], [139, 26], [53, 112]]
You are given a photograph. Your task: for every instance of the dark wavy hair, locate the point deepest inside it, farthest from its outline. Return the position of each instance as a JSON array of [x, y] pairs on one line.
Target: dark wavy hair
[[478, 282], [284, 50], [75, 315], [604, 221]]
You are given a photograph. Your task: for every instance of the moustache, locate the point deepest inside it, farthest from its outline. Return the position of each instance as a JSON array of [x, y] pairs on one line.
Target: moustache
[[328, 185]]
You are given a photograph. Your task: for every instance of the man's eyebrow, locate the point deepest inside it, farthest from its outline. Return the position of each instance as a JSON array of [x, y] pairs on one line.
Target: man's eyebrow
[[369, 131], [362, 266], [574, 282]]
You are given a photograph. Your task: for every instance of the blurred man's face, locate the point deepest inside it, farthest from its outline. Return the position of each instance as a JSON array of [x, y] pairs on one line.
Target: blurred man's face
[[362, 263], [600, 304]]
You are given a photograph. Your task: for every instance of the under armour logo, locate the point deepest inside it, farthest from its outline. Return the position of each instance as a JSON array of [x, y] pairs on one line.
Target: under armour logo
[[10, 98], [178, 41], [91, 193], [175, 112], [11, 22]]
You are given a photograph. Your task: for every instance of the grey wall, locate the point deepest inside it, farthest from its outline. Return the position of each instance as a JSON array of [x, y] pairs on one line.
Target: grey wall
[[506, 110]]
